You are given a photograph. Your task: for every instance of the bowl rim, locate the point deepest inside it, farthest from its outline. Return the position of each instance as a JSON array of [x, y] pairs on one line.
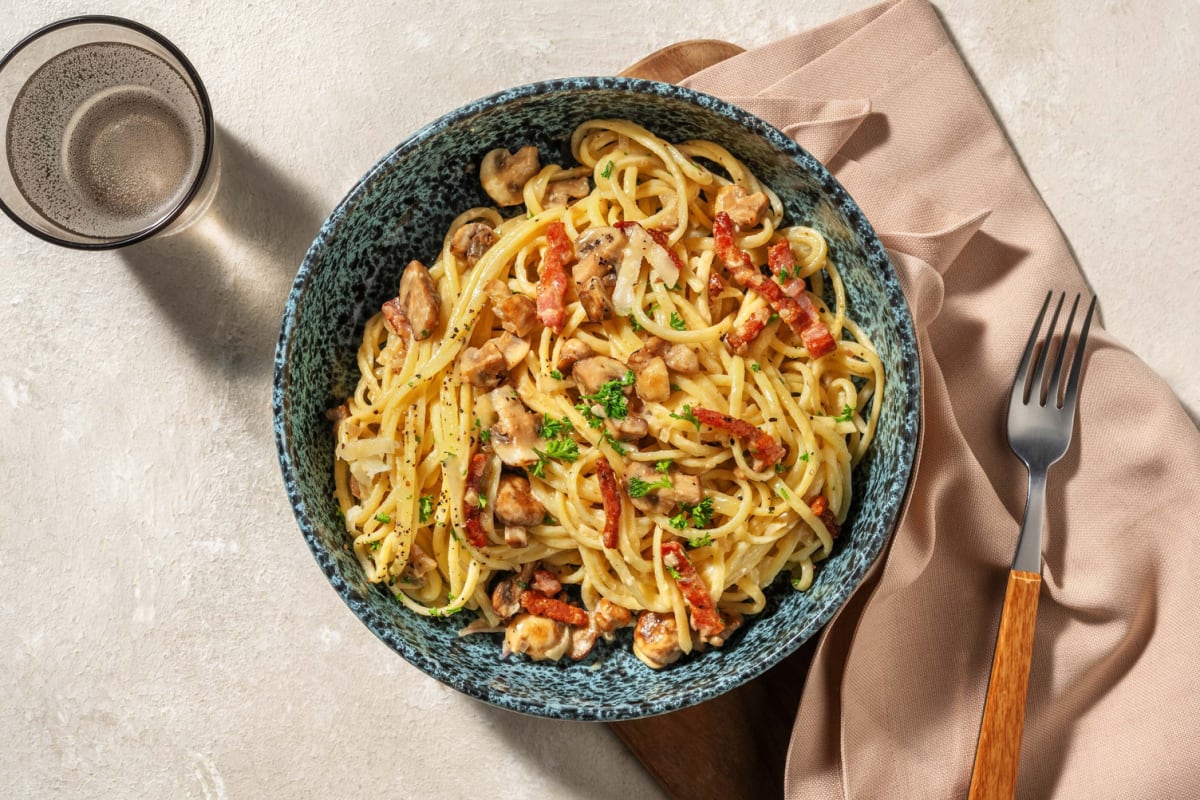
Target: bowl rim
[[824, 610]]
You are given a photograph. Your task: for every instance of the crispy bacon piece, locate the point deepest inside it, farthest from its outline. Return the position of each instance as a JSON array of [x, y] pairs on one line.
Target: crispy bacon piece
[[740, 338], [704, 617], [820, 507], [476, 536], [766, 451], [797, 314], [394, 319], [546, 582], [715, 286], [552, 278], [540, 605], [612, 501]]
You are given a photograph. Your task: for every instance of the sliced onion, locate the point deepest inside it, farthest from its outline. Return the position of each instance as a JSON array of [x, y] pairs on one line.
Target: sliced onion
[[640, 247]]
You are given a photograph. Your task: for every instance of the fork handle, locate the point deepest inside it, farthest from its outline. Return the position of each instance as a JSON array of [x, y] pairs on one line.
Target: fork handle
[[999, 746]]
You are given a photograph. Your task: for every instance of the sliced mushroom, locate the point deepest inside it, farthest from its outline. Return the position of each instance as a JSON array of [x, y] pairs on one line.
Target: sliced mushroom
[[573, 350], [582, 642], [539, 638], [419, 565], [608, 616], [682, 359], [605, 242], [656, 640], [561, 192], [684, 489], [419, 300], [629, 429], [503, 174], [745, 209], [516, 312], [592, 373], [733, 621], [653, 381], [516, 433], [515, 536], [514, 348], [506, 595], [515, 503], [471, 241], [594, 281], [484, 366]]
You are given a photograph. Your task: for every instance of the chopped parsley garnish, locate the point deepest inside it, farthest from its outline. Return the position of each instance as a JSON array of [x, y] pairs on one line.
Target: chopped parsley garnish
[[554, 428], [485, 436], [382, 517], [556, 375], [675, 387], [755, 366], [702, 512], [687, 416], [633, 323], [796, 583], [611, 397], [677, 322], [425, 507], [772, 318], [664, 466], [845, 416], [803, 456], [549, 520], [560, 449], [608, 168], [701, 515], [483, 501], [782, 492], [641, 488], [700, 541], [375, 545], [674, 573], [613, 443]]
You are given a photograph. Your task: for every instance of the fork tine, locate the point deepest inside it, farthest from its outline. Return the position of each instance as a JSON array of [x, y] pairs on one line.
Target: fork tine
[[1053, 387], [1039, 370], [1077, 363], [1019, 381]]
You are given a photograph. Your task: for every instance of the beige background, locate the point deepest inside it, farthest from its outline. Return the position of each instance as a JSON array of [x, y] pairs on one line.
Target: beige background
[[163, 629]]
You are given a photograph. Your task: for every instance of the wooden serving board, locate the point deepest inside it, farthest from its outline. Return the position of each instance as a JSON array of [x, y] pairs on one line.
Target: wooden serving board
[[733, 746]]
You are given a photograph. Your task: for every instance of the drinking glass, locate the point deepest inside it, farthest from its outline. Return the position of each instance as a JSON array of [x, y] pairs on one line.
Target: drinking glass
[[107, 134]]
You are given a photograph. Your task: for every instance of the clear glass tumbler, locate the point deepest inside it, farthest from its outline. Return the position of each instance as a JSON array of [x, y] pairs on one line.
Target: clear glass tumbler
[[108, 135]]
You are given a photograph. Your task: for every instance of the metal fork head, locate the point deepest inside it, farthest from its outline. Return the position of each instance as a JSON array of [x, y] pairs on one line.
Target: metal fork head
[[1041, 410]]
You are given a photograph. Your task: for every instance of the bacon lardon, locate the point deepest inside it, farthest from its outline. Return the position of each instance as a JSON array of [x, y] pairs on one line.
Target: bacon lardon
[[704, 617], [766, 451], [472, 511], [552, 278], [820, 507], [612, 501], [797, 314], [540, 605]]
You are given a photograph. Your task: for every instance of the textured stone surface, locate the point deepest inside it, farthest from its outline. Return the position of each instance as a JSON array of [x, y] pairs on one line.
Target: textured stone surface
[[165, 631]]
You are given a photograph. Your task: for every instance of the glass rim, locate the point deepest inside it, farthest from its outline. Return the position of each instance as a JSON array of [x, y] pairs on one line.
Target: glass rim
[[205, 113]]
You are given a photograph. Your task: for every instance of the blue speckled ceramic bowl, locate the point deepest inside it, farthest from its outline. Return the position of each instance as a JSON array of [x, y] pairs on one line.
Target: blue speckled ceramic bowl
[[400, 211]]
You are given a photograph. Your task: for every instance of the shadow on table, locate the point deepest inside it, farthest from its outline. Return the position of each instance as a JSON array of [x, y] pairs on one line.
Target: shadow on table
[[223, 281]]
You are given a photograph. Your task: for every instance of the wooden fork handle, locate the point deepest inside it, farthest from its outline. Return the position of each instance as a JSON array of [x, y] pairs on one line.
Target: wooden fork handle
[[999, 747]]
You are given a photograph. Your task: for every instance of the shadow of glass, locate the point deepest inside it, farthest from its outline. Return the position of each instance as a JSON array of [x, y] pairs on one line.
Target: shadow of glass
[[222, 282]]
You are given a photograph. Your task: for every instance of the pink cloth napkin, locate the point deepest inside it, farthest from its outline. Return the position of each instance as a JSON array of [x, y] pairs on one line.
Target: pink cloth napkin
[[893, 703]]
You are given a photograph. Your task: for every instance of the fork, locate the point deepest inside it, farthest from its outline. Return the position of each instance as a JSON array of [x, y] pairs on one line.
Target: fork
[[1041, 418]]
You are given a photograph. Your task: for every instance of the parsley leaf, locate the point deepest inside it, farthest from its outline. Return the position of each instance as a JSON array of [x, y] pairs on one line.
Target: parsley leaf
[[553, 428], [687, 416], [664, 466], [803, 456], [483, 501], [674, 573], [641, 488], [556, 375], [677, 322], [425, 507], [485, 436], [845, 416], [375, 545], [611, 397], [702, 512], [700, 541], [755, 366], [382, 517], [613, 443], [679, 521], [634, 324], [782, 492], [560, 449], [608, 168], [772, 318]]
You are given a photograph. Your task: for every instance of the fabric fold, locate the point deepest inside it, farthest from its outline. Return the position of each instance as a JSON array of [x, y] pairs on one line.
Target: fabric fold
[[893, 700]]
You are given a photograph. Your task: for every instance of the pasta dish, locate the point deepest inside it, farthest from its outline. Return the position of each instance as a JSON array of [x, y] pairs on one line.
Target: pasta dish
[[615, 397]]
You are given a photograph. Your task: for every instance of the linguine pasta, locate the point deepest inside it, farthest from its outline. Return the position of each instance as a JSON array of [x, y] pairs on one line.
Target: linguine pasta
[[684, 446]]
